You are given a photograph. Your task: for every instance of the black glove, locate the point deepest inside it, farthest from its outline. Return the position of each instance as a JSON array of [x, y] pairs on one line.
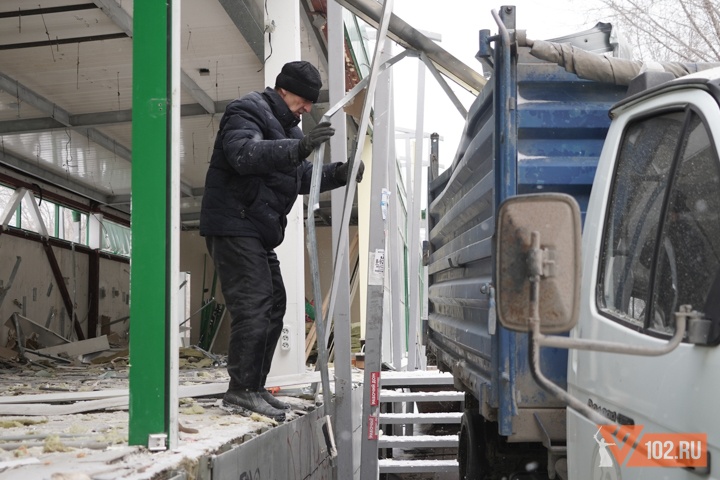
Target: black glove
[[316, 137], [341, 172]]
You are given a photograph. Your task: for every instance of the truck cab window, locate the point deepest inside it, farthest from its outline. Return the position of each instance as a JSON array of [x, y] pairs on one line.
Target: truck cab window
[[688, 259], [630, 239], [661, 245]]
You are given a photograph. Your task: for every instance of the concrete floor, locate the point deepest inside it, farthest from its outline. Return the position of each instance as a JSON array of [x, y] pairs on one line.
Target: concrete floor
[[94, 445]]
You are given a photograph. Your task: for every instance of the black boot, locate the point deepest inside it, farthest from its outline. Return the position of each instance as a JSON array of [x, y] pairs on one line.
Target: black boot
[[247, 402], [274, 402]]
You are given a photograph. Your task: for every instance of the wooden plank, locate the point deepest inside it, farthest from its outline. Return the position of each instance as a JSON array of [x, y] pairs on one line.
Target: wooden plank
[[44, 409], [310, 339], [81, 347], [63, 396], [18, 463], [62, 288], [86, 398], [293, 379], [276, 381]]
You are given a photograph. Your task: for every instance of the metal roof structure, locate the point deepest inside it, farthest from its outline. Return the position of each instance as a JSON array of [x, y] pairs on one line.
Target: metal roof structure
[[66, 88]]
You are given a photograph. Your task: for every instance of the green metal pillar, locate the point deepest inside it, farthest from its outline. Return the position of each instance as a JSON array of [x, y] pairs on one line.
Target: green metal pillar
[[153, 239]]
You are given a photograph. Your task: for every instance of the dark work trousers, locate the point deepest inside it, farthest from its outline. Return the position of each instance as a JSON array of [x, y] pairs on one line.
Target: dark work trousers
[[255, 297]]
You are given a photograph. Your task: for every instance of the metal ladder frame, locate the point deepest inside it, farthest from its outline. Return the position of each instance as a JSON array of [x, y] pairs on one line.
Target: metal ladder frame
[[373, 358]]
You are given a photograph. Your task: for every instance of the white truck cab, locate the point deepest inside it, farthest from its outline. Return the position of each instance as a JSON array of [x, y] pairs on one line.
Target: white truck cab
[[644, 355], [651, 243]]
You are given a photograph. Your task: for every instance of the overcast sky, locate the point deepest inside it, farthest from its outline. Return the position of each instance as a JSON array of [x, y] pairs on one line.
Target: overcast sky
[[458, 23]]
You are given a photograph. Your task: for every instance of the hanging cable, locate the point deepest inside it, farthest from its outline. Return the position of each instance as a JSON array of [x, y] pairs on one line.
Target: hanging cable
[[77, 69], [269, 29], [47, 33], [40, 192]]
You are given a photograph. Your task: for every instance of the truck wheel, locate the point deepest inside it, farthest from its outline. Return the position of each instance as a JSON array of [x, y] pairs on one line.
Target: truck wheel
[[472, 460]]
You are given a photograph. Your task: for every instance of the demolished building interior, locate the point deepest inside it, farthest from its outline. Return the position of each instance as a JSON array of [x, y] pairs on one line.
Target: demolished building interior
[[79, 155]]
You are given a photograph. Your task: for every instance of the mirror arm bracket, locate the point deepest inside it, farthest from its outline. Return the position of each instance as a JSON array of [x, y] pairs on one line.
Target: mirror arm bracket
[[534, 346], [537, 340], [681, 321]]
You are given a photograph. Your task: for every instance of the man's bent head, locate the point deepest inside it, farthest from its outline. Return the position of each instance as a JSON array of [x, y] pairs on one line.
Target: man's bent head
[[299, 84]]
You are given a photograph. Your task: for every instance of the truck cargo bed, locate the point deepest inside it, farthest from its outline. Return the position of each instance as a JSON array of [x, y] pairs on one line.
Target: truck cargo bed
[[551, 133]]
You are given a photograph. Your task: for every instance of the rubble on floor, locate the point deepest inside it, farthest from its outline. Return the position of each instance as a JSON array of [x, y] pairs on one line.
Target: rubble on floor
[[66, 418]]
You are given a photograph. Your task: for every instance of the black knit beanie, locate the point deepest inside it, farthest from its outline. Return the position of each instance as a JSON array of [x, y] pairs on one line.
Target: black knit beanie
[[300, 78]]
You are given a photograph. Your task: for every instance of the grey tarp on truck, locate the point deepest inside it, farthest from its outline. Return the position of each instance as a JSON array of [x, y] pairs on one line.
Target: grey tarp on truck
[[601, 68]]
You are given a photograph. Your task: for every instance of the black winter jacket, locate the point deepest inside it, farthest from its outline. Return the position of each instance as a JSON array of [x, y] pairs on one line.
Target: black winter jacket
[[255, 174]]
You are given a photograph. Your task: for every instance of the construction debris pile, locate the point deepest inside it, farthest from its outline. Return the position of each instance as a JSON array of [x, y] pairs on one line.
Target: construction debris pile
[[65, 403]]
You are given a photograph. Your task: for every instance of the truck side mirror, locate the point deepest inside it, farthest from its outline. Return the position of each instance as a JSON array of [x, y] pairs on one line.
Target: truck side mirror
[[538, 241]]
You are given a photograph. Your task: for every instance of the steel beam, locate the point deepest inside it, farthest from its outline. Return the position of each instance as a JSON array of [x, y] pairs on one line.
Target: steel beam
[[122, 19], [96, 119], [250, 25], [113, 117], [62, 116], [413, 222], [315, 34], [383, 133], [368, 454], [444, 85], [32, 168], [62, 41], [47, 10], [62, 287], [343, 421], [197, 93], [155, 229], [13, 87], [408, 37]]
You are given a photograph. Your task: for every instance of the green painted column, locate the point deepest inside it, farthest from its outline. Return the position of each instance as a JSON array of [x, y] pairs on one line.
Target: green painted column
[[150, 260]]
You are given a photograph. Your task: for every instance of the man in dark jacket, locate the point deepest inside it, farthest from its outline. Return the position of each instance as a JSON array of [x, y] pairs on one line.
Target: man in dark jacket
[[257, 170]]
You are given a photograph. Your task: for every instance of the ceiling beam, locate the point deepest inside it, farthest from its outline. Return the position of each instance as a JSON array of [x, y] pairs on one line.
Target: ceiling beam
[[62, 41], [30, 125], [314, 22], [113, 117], [408, 37], [122, 19], [24, 94], [249, 23], [45, 11], [32, 168], [115, 200], [197, 92], [106, 142], [93, 119], [117, 14], [97, 119]]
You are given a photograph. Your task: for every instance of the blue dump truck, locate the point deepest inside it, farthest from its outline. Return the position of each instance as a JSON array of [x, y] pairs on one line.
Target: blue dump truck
[[533, 128]]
